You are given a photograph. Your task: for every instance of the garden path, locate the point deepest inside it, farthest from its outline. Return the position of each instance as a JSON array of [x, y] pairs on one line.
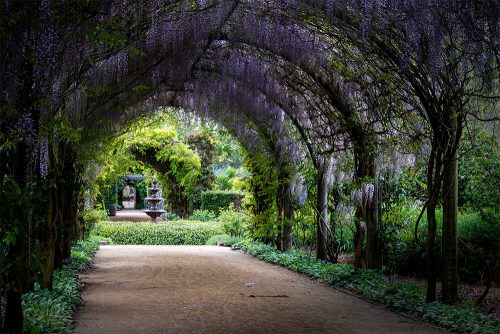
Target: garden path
[[209, 289], [130, 215]]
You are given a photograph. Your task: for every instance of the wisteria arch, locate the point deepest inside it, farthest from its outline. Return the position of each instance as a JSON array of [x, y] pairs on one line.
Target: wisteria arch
[[100, 63]]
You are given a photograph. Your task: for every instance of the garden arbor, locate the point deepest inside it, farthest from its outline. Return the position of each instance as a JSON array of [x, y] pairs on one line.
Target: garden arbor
[[304, 76]]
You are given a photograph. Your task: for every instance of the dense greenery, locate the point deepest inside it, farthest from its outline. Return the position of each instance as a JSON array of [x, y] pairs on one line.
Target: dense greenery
[[51, 311], [162, 233], [409, 297], [218, 200], [203, 215]]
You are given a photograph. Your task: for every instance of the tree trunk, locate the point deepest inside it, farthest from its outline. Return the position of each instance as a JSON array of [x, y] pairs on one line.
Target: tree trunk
[[431, 261], [13, 311], [47, 236], [434, 167], [366, 212], [449, 238], [280, 208], [287, 221], [322, 214], [373, 258], [359, 237]]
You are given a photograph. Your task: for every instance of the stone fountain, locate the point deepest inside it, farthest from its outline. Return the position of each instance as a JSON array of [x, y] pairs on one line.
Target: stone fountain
[[154, 202]]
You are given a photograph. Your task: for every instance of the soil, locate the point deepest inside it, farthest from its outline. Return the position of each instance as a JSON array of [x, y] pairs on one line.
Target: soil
[[210, 289]]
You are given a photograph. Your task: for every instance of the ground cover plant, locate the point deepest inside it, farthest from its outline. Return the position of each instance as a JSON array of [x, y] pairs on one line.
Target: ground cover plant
[[51, 311], [179, 232], [408, 297]]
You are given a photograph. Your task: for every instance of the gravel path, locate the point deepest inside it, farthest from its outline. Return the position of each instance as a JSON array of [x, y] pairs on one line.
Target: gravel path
[[209, 289]]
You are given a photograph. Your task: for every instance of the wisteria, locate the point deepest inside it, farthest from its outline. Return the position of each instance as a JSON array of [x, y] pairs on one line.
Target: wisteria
[[44, 157], [363, 195], [322, 81]]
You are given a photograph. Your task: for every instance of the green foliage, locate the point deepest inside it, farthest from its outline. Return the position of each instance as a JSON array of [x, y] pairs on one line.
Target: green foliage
[[170, 216], [229, 152], [479, 174], [401, 253], [223, 240], [162, 233], [179, 160], [218, 200], [225, 181], [203, 144], [478, 248], [234, 223], [465, 318], [50, 311], [82, 253], [203, 215], [91, 216]]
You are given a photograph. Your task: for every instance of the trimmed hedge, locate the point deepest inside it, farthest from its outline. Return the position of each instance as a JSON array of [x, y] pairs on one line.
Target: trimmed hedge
[[464, 318], [218, 200], [162, 233]]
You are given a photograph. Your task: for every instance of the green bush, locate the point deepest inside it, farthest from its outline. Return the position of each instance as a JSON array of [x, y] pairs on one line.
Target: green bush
[[234, 223], [223, 240], [203, 215], [478, 248], [218, 200], [50, 311], [162, 233], [466, 317], [170, 216], [91, 216]]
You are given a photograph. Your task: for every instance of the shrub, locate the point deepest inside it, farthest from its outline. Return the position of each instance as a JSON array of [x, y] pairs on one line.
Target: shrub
[[478, 248], [162, 233], [218, 200], [223, 240], [464, 318], [234, 223], [91, 216], [170, 216], [203, 215]]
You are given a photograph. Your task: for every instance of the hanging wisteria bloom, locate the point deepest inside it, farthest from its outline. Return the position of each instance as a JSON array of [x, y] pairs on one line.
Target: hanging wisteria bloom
[[363, 195], [44, 157]]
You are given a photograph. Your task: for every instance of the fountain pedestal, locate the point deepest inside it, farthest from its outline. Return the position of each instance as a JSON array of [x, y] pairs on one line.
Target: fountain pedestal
[[154, 202]]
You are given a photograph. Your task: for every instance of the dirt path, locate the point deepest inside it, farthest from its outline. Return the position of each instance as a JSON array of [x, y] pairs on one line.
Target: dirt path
[[208, 289], [130, 215]]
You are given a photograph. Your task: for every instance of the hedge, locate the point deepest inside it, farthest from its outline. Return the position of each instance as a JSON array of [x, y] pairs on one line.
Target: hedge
[[162, 233], [218, 200]]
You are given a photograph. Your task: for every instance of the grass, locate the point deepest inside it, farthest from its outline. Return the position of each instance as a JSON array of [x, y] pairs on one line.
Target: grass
[[464, 318]]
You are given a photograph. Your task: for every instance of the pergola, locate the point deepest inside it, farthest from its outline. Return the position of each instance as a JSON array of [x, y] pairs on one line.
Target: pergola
[[289, 79]]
